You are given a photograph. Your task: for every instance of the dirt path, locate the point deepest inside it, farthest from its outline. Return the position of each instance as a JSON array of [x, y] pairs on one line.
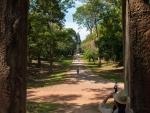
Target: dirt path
[[79, 94]]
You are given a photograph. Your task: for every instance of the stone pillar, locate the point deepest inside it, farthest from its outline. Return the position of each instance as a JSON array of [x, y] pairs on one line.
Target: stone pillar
[[137, 66], [13, 45]]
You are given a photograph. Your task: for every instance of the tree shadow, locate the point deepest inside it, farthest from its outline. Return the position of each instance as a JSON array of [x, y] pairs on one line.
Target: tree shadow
[[48, 107], [64, 103], [55, 98], [47, 80], [42, 107], [85, 75], [40, 77], [114, 75]]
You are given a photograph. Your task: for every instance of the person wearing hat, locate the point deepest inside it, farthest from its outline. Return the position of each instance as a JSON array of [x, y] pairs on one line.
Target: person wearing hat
[[120, 100]]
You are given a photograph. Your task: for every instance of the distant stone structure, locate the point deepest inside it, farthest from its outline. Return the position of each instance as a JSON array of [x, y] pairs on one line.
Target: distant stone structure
[[78, 43]]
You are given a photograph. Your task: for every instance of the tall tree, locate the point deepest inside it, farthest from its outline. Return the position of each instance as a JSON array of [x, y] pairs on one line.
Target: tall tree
[[90, 15], [46, 19], [13, 42], [84, 18], [107, 30]]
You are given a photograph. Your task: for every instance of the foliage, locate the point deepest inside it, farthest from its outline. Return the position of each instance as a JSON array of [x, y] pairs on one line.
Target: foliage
[[84, 18], [67, 45], [89, 54], [47, 38], [106, 26], [89, 48]]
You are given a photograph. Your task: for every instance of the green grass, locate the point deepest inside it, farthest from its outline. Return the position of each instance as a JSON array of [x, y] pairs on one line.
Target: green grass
[[64, 64], [42, 107], [50, 79], [112, 77], [108, 71], [45, 79]]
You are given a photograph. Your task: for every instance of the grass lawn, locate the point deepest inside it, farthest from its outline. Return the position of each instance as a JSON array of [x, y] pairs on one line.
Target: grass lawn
[[40, 77], [42, 107], [108, 70]]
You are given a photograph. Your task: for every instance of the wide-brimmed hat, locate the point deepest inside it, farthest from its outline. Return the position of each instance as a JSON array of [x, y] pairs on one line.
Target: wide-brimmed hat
[[120, 97]]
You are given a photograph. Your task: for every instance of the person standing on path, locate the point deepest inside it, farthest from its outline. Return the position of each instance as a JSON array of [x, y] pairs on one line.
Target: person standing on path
[[78, 70]]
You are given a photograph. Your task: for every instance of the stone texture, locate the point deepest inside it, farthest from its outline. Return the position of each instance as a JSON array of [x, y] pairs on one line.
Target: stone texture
[[139, 33], [13, 16]]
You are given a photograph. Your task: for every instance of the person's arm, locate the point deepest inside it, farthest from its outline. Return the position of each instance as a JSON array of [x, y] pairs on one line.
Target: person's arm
[[109, 96]]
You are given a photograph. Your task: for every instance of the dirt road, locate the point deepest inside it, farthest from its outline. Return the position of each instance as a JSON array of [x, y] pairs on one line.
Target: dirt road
[[79, 94]]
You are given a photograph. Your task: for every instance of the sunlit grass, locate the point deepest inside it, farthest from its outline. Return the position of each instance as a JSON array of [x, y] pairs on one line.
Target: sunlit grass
[[108, 70], [66, 62]]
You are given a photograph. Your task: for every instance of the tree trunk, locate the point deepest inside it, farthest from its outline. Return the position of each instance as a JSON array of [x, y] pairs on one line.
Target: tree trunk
[[139, 37], [51, 59], [99, 57], [96, 29], [39, 61], [126, 45], [29, 58], [97, 36], [51, 66], [99, 61], [13, 44]]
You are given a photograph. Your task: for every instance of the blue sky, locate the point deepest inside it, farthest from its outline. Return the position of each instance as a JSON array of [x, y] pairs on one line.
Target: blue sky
[[70, 24]]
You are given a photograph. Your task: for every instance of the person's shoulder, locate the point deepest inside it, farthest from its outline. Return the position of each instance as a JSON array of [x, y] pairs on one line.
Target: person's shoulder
[[116, 111]]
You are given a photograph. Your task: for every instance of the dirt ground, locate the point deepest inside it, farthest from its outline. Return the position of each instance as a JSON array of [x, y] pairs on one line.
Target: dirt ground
[[81, 93]]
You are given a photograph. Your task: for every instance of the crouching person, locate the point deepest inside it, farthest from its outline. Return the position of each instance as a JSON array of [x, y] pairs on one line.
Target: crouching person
[[120, 101]]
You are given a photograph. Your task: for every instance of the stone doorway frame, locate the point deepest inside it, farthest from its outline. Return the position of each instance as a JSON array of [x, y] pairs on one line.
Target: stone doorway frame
[[136, 27]]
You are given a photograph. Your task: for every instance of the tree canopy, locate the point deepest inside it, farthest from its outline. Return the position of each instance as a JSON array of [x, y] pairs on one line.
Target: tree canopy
[[47, 38], [103, 20]]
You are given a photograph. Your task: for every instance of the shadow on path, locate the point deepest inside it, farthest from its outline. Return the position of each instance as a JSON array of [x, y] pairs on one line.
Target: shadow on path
[[78, 93]]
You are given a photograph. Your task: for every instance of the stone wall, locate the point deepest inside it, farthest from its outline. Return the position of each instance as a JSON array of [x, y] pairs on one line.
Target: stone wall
[[13, 47], [139, 38]]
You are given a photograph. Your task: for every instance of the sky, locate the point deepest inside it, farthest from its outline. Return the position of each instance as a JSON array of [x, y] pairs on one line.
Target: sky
[[70, 24]]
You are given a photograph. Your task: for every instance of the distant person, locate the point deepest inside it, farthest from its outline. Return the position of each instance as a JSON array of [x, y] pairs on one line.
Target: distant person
[[78, 71], [116, 87], [78, 59]]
